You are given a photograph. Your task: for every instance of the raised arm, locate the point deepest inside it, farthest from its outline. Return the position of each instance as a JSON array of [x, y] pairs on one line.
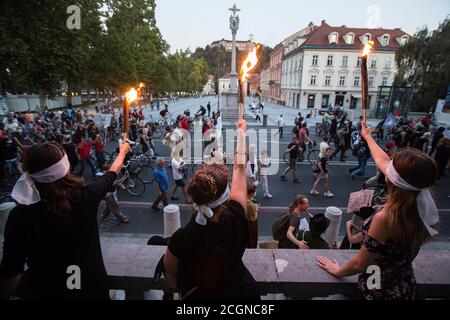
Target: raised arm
[[381, 158], [124, 148], [239, 184]]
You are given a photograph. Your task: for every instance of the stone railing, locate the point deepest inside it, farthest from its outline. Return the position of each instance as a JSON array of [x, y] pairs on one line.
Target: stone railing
[[131, 268]]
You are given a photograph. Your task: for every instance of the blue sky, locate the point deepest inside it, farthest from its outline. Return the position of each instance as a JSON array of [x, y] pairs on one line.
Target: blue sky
[[193, 23]]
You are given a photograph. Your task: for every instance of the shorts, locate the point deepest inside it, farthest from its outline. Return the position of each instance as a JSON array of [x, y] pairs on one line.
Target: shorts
[[292, 161], [322, 175], [180, 183]]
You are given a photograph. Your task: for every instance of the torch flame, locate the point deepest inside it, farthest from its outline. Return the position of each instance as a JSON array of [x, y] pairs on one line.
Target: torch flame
[[249, 63], [131, 95], [368, 48], [141, 85]]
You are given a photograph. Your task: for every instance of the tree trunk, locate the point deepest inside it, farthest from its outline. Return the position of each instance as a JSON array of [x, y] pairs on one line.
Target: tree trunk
[[42, 100]]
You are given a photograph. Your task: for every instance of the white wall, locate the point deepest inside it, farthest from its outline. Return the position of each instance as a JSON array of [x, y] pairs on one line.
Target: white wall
[[25, 102]]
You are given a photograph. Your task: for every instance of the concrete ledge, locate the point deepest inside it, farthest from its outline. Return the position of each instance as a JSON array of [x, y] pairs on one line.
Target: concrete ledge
[[131, 268]]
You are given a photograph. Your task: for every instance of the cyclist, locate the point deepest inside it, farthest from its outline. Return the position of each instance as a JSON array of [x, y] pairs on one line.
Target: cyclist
[[294, 152]]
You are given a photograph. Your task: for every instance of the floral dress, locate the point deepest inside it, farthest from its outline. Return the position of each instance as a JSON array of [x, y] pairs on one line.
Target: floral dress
[[395, 263]]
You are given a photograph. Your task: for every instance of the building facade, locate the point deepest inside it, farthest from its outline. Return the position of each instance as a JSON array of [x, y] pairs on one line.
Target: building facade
[[264, 83], [325, 67], [240, 45], [276, 60]]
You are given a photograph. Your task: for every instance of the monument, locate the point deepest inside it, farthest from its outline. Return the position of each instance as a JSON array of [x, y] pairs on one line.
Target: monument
[[229, 101]]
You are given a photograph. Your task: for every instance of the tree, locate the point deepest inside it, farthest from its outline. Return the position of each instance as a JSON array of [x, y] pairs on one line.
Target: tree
[[427, 54]]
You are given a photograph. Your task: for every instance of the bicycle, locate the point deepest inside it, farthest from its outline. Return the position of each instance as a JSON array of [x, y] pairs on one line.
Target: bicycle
[[129, 180], [313, 155], [379, 196]]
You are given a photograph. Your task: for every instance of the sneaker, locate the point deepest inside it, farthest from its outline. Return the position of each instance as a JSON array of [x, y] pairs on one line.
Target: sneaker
[[174, 198], [124, 220], [283, 178], [155, 208], [297, 181], [268, 196], [328, 194], [314, 193]]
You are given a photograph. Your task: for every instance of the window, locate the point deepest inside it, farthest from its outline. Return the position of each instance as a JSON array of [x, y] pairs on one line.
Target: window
[[366, 38], [315, 60], [371, 81], [374, 63], [327, 80], [384, 83], [344, 61], [404, 40], [385, 41], [330, 61], [388, 62], [358, 62], [356, 82], [350, 38], [295, 65], [334, 38], [342, 81], [313, 80]]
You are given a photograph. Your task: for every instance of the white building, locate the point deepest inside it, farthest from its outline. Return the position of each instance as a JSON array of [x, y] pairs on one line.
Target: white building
[[208, 88], [323, 68], [224, 84], [264, 82]]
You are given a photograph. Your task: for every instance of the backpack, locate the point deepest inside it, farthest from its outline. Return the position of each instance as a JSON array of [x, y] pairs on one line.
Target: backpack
[[355, 149], [281, 226]]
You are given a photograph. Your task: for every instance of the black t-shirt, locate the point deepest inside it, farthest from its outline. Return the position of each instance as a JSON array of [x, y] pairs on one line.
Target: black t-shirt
[[419, 143], [71, 152], [324, 164], [8, 149], [210, 258], [50, 243], [294, 152]]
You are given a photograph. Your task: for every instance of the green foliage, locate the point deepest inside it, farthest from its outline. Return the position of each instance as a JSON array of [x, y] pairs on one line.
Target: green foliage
[[118, 46], [429, 54]]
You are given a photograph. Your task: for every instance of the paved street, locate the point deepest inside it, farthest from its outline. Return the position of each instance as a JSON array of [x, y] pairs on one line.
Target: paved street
[[145, 221]]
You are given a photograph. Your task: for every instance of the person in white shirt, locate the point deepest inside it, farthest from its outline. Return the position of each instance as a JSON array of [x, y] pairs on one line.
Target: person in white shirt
[[280, 123], [264, 164], [324, 145], [178, 169]]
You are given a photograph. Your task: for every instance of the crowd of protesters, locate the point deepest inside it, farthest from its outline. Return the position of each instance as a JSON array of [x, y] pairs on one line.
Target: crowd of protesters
[[204, 258]]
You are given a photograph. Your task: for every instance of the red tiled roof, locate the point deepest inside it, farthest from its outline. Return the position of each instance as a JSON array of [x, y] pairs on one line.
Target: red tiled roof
[[319, 37]]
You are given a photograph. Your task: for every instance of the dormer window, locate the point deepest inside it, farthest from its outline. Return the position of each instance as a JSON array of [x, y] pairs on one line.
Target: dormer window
[[333, 37], [404, 40], [350, 38], [366, 38], [385, 41]]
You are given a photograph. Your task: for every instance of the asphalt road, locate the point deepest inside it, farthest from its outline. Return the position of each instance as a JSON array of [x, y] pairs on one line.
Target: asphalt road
[[144, 220]]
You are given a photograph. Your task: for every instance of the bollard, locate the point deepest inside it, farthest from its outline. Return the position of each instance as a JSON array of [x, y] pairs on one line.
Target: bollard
[[5, 209], [265, 116], [171, 220], [335, 216]]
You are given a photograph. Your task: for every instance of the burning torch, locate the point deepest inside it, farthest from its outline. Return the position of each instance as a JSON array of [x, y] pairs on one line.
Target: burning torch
[[365, 84], [248, 65], [130, 97]]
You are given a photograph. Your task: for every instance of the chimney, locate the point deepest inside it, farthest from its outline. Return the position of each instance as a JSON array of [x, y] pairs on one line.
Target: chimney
[[323, 22], [252, 38]]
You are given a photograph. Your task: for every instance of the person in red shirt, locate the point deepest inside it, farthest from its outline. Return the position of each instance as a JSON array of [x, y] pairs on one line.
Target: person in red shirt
[[84, 151], [184, 123]]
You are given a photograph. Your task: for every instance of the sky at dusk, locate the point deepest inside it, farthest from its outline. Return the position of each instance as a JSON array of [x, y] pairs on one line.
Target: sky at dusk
[[190, 24]]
